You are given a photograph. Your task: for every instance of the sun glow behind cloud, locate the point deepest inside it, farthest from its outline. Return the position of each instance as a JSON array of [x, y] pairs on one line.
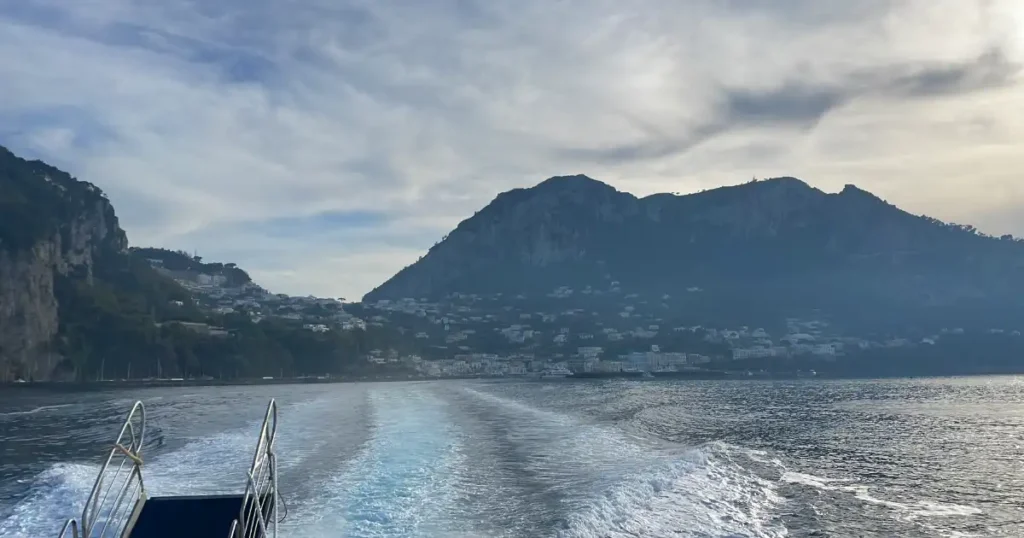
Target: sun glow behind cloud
[[325, 144]]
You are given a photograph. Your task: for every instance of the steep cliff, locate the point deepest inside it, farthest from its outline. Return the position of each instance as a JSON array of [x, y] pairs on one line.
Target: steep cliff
[[776, 243], [77, 304], [51, 226]]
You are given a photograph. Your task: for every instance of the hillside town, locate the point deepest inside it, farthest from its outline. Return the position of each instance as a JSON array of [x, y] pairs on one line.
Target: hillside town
[[215, 294], [586, 332], [484, 335]]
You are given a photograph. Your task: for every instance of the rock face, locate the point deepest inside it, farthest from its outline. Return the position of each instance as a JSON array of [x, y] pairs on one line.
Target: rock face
[[28, 310], [53, 225], [778, 234], [547, 227]]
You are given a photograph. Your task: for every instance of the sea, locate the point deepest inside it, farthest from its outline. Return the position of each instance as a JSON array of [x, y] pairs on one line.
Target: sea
[[554, 458]]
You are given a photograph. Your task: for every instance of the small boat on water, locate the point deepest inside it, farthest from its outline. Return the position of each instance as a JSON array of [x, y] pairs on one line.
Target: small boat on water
[[555, 373], [120, 506]]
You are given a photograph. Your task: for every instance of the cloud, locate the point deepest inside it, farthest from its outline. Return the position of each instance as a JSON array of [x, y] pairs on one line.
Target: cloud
[[323, 145]]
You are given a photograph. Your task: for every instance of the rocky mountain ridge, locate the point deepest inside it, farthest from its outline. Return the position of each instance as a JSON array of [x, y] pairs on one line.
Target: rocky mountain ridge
[[808, 248]]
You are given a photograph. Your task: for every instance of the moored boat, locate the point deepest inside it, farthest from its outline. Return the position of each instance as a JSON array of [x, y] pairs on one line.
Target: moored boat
[[555, 373]]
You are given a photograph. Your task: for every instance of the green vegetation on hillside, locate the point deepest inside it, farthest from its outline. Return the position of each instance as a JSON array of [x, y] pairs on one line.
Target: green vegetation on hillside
[[127, 324], [36, 200], [128, 319], [176, 260]]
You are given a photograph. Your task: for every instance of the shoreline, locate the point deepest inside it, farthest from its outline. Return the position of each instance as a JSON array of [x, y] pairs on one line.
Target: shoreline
[[184, 382], [718, 375]]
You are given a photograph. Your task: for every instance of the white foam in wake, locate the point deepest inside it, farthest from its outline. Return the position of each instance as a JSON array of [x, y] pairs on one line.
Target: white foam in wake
[[57, 494], [909, 511], [208, 465], [39, 409], [626, 487], [694, 493], [401, 481]]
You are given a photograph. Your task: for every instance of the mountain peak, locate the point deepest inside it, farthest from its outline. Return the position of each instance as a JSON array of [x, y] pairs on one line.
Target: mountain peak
[[573, 177], [576, 182], [788, 181], [578, 188], [784, 185], [855, 194], [851, 190]]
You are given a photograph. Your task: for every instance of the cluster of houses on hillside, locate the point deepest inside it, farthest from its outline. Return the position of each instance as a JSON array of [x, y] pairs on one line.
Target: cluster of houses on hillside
[[213, 294], [586, 360], [460, 321], [626, 333], [478, 334]]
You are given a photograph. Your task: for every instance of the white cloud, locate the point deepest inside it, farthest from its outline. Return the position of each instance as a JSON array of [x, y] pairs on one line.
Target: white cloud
[[203, 118]]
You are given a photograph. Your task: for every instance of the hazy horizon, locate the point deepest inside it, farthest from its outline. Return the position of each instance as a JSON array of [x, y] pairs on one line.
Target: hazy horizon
[[323, 146]]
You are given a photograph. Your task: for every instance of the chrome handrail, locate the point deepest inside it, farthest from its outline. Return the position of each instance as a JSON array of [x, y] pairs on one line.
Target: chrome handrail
[[115, 514], [71, 525], [260, 485]]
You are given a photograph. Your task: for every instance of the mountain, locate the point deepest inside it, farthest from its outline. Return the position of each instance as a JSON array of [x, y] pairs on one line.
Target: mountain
[[775, 245], [76, 303], [51, 226]]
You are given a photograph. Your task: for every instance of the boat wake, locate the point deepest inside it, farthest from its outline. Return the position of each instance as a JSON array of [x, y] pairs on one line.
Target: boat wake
[[449, 462], [204, 465], [399, 483], [33, 411], [55, 495], [917, 511], [613, 483]]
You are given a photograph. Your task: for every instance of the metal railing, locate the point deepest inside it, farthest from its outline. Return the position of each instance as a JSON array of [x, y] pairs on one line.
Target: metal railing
[[257, 517], [105, 515], [69, 525]]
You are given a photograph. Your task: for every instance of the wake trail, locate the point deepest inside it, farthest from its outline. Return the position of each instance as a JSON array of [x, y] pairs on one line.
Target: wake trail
[[614, 483]]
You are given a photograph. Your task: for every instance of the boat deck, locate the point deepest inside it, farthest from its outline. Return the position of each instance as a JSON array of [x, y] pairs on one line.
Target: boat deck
[[208, 516], [119, 505]]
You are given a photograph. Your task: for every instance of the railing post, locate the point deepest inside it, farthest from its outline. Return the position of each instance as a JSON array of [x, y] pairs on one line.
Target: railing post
[[257, 490], [97, 501], [274, 494], [69, 524]]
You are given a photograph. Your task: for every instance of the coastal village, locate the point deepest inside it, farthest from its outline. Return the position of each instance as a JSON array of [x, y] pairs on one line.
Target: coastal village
[[565, 332]]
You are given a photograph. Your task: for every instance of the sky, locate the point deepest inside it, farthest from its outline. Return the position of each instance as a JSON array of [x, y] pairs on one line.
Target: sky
[[325, 144]]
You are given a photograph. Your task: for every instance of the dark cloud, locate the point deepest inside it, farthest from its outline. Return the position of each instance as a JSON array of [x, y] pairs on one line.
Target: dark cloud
[[792, 103], [802, 105], [990, 70], [654, 147]]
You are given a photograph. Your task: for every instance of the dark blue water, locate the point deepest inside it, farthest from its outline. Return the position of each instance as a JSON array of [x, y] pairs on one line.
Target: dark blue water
[[931, 457]]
